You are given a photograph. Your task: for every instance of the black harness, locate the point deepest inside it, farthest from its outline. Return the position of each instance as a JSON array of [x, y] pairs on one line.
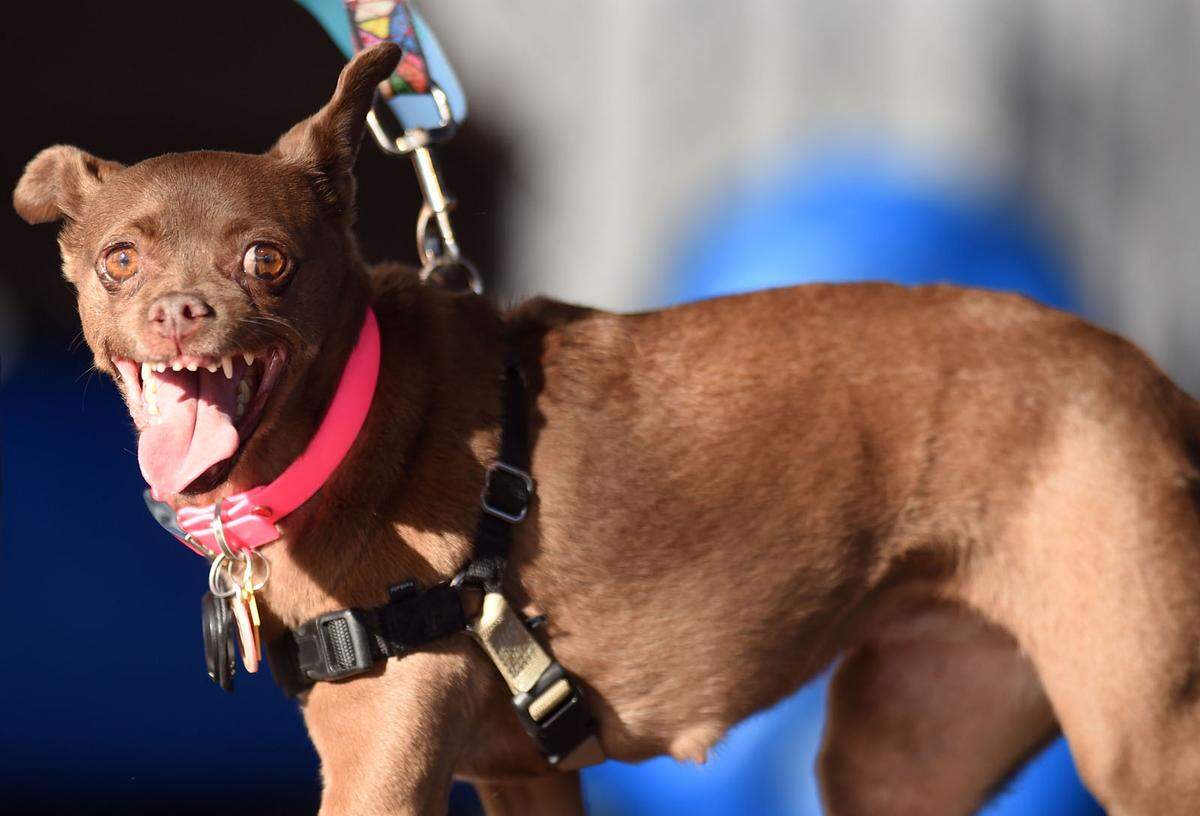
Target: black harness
[[347, 642]]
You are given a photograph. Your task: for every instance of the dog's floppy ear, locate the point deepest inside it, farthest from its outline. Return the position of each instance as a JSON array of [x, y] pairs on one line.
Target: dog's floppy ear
[[57, 183], [326, 143]]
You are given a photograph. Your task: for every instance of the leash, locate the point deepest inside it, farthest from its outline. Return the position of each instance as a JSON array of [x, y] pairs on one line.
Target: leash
[[419, 106], [348, 642]]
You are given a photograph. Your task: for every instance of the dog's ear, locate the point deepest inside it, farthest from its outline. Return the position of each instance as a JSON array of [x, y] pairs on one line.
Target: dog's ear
[[57, 183], [326, 143]]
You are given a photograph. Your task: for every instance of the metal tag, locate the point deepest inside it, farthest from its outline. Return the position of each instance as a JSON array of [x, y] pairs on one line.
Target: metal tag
[[219, 654]]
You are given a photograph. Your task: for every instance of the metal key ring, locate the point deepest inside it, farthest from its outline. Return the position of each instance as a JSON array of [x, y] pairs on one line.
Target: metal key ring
[[215, 586], [250, 555], [218, 528], [214, 571]]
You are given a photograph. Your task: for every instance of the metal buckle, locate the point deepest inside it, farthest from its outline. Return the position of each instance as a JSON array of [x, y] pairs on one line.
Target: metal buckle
[[391, 135], [562, 727], [524, 483], [314, 646]]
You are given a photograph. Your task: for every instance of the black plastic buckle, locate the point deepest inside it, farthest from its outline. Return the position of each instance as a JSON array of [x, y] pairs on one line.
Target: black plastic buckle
[[562, 729], [506, 492], [334, 646]]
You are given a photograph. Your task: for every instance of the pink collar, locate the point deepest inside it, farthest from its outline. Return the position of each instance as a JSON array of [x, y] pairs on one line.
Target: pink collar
[[249, 517]]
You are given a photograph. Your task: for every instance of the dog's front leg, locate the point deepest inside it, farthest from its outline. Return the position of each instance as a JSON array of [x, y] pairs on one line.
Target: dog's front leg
[[558, 793], [388, 743]]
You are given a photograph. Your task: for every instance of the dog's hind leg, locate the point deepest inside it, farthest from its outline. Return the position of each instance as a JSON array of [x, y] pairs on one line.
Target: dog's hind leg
[[557, 794], [929, 716]]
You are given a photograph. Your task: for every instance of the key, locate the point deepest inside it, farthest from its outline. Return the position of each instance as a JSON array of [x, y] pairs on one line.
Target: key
[[248, 592], [245, 612], [254, 619], [216, 620]]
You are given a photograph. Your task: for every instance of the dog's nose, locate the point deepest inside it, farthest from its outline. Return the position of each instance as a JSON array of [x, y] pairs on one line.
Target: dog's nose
[[178, 315]]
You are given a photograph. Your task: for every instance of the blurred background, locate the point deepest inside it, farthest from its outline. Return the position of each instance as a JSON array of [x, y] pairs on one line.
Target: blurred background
[[625, 154]]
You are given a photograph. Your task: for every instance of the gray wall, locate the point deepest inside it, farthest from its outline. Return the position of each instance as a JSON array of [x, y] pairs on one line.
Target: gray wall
[[624, 113]]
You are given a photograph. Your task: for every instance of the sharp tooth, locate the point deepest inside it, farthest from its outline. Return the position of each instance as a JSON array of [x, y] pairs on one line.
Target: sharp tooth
[[248, 356], [152, 408], [177, 366], [227, 366], [151, 387], [145, 372], [191, 366]]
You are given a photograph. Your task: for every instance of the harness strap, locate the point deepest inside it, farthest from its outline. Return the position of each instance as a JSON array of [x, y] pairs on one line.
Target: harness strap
[[348, 642], [507, 489]]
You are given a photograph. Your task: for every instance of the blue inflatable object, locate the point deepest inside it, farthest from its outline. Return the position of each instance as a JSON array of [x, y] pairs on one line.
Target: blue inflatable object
[[857, 217], [851, 216]]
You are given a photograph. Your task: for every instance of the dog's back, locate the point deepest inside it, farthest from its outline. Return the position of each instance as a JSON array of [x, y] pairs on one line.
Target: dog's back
[[766, 477]]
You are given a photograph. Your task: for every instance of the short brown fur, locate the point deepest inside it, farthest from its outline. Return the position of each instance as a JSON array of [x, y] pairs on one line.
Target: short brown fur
[[985, 507]]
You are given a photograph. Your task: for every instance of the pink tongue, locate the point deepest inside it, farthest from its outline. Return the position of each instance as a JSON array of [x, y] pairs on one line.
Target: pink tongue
[[193, 431]]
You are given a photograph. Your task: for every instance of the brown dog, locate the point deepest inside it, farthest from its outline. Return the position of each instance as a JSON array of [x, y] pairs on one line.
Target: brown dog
[[987, 508]]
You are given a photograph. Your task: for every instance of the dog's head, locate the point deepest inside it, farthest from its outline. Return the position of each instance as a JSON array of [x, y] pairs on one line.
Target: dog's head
[[209, 282]]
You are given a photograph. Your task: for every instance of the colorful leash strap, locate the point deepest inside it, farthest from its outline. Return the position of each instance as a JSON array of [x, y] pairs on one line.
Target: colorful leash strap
[[420, 105], [392, 20], [375, 22]]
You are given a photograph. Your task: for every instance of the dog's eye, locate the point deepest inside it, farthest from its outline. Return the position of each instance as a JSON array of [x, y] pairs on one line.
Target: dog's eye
[[121, 262], [264, 261]]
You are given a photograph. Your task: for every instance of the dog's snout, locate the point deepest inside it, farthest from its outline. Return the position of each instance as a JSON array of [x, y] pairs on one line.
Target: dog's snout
[[178, 315]]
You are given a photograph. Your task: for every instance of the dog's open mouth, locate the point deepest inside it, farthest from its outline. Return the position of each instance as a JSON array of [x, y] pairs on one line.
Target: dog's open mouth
[[194, 414]]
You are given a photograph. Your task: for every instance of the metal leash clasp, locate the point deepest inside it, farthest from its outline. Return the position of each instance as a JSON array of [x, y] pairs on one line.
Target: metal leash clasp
[[442, 261]]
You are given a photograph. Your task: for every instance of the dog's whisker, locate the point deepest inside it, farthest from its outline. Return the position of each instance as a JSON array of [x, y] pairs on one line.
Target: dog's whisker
[[278, 327]]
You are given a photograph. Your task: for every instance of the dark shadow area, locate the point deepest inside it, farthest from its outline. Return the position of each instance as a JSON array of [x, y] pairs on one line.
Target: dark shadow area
[[128, 81], [108, 708]]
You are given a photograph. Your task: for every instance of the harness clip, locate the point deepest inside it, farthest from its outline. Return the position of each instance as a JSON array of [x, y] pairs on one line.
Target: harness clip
[[334, 646], [553, 714]]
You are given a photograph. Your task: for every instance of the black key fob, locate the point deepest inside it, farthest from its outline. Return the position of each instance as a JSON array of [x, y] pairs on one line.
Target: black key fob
[[219, 656]]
